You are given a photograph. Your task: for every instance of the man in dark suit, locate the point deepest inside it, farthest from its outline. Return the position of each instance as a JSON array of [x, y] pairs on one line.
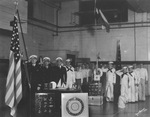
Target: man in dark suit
[[47, 70], [34, 70]]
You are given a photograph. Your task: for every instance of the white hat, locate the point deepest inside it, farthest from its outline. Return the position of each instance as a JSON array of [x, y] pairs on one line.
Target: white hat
[[59, 58], [33, 56], [46, 58], [111, 62], [68, 60], [124, 67]]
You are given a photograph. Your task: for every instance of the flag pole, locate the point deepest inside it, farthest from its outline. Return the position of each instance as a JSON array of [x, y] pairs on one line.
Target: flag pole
[[95, 12], [26, 56], [22, 35]]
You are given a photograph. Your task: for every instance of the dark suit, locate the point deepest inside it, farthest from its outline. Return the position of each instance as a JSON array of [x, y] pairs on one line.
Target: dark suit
[[59, 73], [47, 74], [35, 75]]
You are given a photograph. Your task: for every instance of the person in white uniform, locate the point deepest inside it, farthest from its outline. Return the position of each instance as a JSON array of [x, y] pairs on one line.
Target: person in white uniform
[[123, 98], [131, 73], [137, 81], [110, 81], [143, 80], [70, 74]]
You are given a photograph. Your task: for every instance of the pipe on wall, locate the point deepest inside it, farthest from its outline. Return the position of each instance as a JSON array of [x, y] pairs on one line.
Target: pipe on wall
[[57, 11], [102, 29]]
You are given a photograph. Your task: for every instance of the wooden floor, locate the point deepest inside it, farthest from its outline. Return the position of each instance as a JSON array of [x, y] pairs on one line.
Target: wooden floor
[[108, 109]]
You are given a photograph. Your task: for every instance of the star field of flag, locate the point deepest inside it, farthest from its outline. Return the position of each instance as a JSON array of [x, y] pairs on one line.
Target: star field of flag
[[15, 46]]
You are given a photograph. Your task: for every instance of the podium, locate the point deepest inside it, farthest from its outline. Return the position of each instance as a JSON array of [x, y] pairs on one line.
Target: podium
[[48, 102], [44, 104], [95, 94]]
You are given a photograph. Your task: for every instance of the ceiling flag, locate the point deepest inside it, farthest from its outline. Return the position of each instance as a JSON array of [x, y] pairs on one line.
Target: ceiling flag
[[101, 19]]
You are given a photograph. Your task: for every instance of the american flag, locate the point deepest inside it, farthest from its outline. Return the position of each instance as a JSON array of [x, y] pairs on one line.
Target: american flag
[[118, 56], [14, 80], [118, 67], [118, 60]]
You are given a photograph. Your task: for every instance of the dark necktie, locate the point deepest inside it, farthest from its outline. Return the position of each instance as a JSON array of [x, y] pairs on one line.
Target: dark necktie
[[69, 69], [130, 73], [124, 74], [109, 70]]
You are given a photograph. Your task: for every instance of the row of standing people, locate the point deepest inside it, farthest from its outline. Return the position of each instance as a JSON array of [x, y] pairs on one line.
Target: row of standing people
[[43, 71], [132, 83], [132, 80]]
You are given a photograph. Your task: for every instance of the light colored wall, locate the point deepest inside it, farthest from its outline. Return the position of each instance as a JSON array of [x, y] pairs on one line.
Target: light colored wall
[[37, 40], [134, 42], [87, 43]]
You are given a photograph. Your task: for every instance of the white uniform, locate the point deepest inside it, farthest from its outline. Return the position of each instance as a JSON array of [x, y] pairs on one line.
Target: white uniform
[[143, 78], [70, 76], [110, 81], [132, 79], [123, 98], [137, 82]]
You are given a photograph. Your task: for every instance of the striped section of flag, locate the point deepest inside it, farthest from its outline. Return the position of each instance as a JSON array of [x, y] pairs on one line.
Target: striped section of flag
[[14, 80], [9, 97], [106, 24], [101, 19]]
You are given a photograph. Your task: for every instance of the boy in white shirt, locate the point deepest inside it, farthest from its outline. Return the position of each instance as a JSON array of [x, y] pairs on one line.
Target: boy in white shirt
[[110, 81], [123, 98]]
